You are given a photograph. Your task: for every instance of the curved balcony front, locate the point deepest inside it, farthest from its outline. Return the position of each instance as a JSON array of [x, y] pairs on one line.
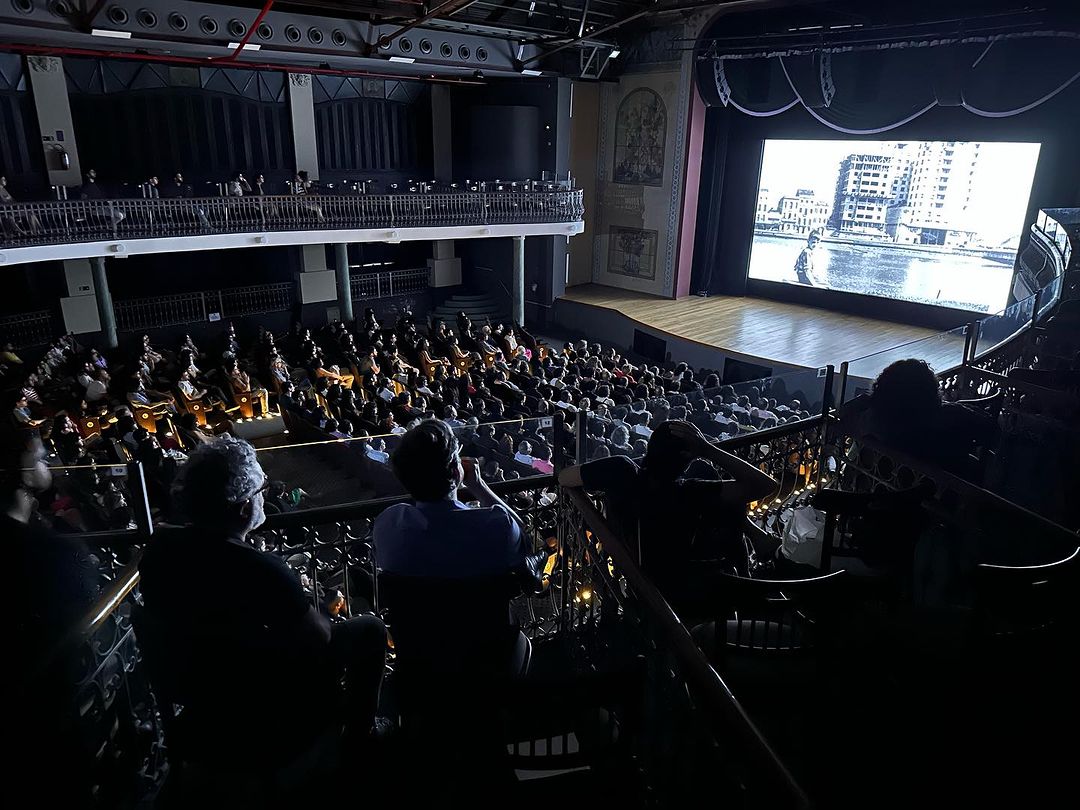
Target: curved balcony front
[[74, 229]]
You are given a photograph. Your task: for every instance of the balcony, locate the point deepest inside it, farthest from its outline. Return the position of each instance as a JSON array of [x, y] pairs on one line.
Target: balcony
[[72, 229]]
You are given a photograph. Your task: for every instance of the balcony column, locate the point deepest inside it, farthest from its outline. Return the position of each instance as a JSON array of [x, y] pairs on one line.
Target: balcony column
[[302, 118], [104, 301], [517, 283], [344, 287], [444, 266]]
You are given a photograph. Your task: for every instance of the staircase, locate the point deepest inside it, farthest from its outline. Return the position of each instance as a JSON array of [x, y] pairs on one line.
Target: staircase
[[479, 308]]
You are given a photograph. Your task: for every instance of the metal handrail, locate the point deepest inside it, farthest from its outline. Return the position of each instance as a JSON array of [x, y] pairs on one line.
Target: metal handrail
[[706, 687], [67, 221]]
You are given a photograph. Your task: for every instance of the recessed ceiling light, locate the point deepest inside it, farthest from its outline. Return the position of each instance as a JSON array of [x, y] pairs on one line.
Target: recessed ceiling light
[[406, 60], [105, 32], [248, 46]]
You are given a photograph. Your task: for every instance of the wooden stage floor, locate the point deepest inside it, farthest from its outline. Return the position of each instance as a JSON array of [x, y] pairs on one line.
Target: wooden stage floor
[[770, 330]]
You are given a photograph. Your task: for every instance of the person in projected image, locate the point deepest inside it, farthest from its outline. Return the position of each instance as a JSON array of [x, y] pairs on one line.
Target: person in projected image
[[804, 265]]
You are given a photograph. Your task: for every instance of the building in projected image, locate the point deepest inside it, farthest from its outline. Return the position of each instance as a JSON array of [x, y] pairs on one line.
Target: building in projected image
[[935, 208], [869, 190], [912, 194], [802, 213]]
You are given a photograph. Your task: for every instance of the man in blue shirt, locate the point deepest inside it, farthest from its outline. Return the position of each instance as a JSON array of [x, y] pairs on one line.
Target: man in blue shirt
[[440, 536]]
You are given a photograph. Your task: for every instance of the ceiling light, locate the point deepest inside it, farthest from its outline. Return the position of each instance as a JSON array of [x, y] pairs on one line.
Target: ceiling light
[[614, 53], [105, 32], [405, 60], [527, 72], [248, 46]]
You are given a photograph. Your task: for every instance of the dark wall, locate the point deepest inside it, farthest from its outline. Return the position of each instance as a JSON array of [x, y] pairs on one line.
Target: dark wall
[[496, 136], [168, 273], [505, 142], [732, 162], [136, 119], [21, 158], [371, 128]]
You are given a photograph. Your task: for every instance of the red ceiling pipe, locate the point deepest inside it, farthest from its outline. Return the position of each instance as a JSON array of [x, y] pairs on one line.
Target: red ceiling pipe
[[250, 33]]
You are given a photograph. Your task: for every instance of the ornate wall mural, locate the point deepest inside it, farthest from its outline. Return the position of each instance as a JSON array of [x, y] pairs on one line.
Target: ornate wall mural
[[632, 252], [640, 137]]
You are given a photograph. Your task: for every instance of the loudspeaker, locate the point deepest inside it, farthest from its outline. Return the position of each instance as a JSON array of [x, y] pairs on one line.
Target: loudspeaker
[[649, 346], [952, 64]]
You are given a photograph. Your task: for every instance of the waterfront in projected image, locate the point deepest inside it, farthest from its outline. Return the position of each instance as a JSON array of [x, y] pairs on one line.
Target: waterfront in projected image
[[939, 278], [934, 222]]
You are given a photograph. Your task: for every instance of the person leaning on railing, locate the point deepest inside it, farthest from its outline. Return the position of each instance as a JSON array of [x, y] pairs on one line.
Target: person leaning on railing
[[236, 630], [673, 521]]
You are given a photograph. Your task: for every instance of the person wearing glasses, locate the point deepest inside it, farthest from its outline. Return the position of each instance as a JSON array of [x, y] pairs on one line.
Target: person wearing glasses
[[241, 633]]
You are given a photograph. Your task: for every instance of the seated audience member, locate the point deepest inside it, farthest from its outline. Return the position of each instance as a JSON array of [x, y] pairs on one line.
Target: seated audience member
[[230, 661], [21, 414], [190, 433], [620, 442], [376, 451], [904, 410], [672, 519], [439, 536], [240, 383], [52, 585], [524, 454]]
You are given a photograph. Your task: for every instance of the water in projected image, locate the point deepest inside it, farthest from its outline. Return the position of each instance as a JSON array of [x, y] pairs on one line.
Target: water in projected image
[[936, 222]]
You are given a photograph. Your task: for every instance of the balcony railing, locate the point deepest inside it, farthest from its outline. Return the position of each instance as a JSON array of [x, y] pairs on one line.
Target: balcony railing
[[28, 329], [67, 221], [388, 283], [137, 314]]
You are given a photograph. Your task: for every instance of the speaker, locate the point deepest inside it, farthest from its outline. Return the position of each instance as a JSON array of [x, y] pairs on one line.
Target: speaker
[[649, 346], [952, 64], [737, 371]]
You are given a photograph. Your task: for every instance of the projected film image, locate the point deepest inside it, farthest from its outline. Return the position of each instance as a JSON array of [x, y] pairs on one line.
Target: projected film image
[[935, 222]]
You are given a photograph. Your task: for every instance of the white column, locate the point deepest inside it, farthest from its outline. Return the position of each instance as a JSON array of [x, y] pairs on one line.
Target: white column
[[344, 287], [517, 285], [445, 267], [50, 94]]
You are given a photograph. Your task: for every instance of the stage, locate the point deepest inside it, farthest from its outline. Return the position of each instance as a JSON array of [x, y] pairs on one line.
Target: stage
[[773, 333]]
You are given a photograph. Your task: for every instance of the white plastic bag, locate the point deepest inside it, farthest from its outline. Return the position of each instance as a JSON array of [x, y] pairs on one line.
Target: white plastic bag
[[803, 536]]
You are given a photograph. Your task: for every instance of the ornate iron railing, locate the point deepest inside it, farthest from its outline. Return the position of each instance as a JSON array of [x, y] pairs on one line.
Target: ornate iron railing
[[67, 221], [137, 314], [28, 329], [693, 735], [388, 283]]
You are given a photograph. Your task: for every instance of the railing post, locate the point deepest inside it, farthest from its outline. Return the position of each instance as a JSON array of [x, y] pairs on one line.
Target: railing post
[[140, 501], [843, 382], [581, 437], [558, 428], [971, 343], [202, 302], [1035, 309], [221, 303]]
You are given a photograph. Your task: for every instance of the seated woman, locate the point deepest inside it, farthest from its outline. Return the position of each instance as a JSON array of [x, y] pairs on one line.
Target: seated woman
[[904, 410], [675, 522], [240, 382], [428, 363], [321, 370]]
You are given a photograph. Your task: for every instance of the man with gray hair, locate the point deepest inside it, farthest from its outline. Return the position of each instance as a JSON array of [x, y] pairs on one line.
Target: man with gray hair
[[238, 628]]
